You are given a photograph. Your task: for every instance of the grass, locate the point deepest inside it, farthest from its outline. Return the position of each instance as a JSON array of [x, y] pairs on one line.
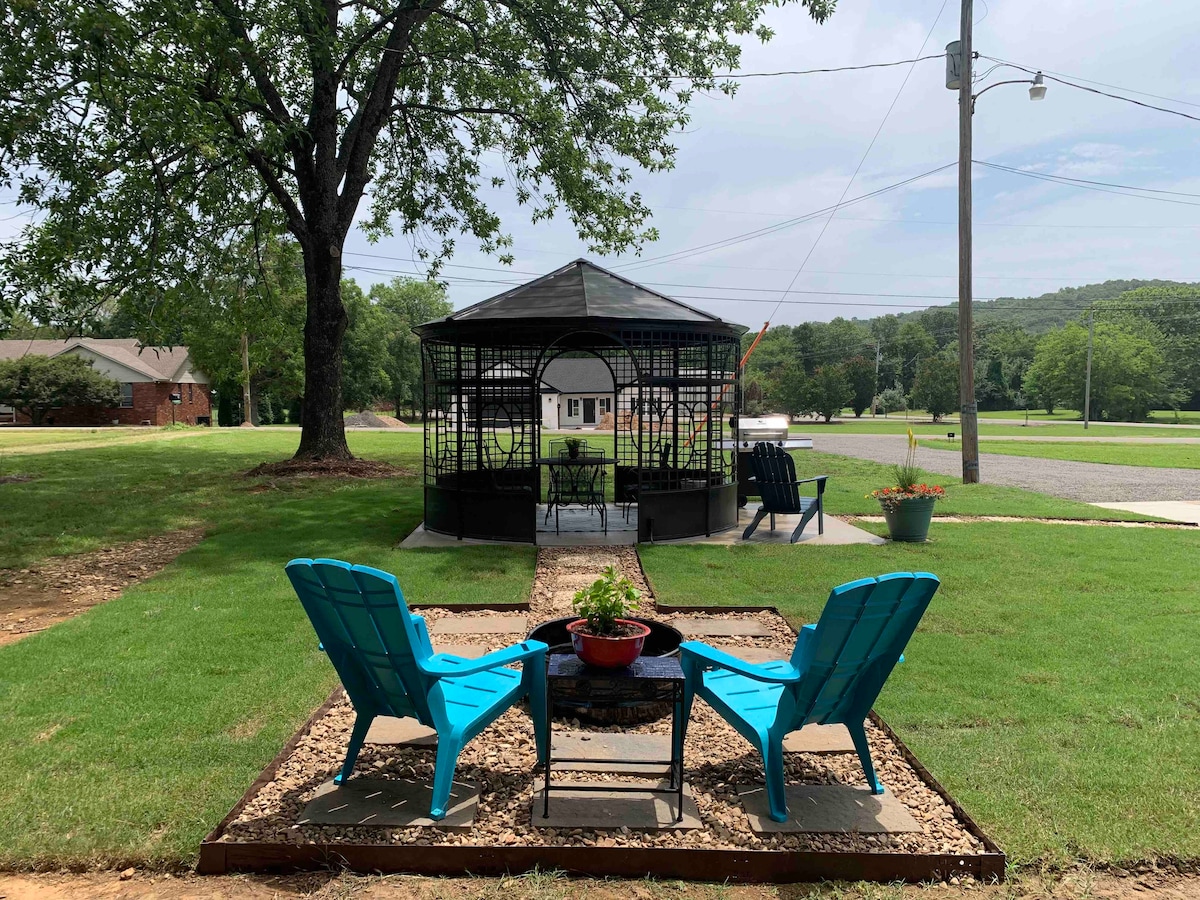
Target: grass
[[1178, 456], [128, 732], [893, 425], [1051, 687]]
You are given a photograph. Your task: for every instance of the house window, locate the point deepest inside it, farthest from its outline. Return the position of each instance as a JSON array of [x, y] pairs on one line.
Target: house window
[[189, 393], [572, 409], [605, 405], [126, 396]]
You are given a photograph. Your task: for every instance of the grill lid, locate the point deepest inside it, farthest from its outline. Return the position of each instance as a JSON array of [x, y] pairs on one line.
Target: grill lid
[[767, 428]]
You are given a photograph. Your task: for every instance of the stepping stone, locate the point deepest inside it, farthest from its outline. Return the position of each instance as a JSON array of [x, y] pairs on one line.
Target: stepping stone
[[394, 730], [641, 811], [705, 626], [827, 809], [819, 739], [480, 625], [625, 754], [389, 802], [755, 654], [585, 561], [466, 651]]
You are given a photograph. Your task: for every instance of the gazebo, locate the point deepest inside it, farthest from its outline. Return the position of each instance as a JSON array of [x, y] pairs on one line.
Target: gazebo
[[674, 382]]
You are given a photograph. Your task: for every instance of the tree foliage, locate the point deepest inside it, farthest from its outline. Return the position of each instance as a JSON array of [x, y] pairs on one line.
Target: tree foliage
[[825, 392], [935, 388], [860, 373], [408, 303], [34, 385], [155, 136], [1128, 372]]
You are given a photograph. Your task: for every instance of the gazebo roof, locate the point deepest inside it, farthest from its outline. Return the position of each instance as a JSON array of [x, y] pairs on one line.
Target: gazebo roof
[[581, 290]]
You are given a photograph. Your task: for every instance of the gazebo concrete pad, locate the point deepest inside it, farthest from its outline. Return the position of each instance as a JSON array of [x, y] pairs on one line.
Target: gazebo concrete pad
[[755, 654], [626, 754], [829, 809], [708, 626], [390, 802], [819, 739], [606, 810], [480, 625]]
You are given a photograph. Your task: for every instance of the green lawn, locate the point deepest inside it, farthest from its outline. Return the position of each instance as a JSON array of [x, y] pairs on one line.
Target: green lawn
[[1051, 687], [128, 732], [894, 425], [1178, 456]]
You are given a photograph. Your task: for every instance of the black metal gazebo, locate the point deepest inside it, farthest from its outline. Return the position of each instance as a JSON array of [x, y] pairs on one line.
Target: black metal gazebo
[[674, 372]]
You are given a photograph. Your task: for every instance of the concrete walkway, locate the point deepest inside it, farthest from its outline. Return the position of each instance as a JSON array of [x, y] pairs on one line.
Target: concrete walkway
[[1089, 482]]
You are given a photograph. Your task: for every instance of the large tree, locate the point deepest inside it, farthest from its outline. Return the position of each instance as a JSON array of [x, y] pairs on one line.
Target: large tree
[[935, 387], [148, 131]]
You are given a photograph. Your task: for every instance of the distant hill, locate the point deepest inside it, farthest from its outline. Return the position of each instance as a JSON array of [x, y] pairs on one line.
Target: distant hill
[[1040, 314]]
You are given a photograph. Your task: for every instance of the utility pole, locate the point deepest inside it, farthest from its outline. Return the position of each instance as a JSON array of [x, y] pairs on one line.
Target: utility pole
[[875, 395], [969, 412], [1087, 381]]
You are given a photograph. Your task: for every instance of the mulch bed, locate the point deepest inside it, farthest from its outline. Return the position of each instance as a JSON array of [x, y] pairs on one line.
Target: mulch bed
[[502, 760], [58, 588], [329, 468]]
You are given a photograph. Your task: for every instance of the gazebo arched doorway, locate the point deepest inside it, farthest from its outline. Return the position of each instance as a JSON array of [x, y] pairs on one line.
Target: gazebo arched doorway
[[674, 374]]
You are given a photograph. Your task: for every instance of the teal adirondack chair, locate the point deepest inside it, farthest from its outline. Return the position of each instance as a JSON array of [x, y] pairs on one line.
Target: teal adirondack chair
[[834, 675], [388, 668]]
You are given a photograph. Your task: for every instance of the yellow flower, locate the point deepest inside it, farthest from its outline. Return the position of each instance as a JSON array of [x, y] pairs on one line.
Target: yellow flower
[[912, 440]]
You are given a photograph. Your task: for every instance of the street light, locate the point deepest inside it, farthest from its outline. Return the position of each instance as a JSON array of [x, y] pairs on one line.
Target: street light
[[959, 59]]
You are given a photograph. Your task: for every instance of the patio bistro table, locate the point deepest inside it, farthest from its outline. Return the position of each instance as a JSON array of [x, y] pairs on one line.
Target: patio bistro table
[[649, 677], [556, 499]]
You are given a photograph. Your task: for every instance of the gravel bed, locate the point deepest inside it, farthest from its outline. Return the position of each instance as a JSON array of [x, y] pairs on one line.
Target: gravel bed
[[502, 760], [1089, 482]]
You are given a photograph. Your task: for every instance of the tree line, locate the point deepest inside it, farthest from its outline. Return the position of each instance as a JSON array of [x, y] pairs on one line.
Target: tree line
[[1145, 356]]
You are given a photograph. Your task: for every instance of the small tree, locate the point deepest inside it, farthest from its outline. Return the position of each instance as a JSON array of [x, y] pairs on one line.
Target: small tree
[[860, 373], [936, 386], [35, 385], [893, 399], [826, 392]]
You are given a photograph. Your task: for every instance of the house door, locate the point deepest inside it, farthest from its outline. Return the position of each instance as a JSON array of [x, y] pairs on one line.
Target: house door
[[589, 410]]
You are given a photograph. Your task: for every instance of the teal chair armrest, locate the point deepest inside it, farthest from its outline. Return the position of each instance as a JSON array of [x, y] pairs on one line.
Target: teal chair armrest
[[711, 657], [526, 651], [422, 634]]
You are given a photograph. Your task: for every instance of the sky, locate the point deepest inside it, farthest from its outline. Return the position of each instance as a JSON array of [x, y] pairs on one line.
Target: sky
[[787, 146]]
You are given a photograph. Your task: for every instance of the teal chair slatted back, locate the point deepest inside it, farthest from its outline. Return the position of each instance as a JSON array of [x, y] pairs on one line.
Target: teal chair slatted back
[[368, 633], [775, 477], [857, 642]]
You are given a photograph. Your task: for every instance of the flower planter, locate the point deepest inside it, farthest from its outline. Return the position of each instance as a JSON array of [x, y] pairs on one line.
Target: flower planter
[[908, 520], [608, 652]]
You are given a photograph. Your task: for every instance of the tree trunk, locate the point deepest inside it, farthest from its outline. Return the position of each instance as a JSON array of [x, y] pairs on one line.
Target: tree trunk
[[323, 432]]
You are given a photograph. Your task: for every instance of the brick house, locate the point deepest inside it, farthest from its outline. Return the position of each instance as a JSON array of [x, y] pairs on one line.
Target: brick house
[[148, 377]]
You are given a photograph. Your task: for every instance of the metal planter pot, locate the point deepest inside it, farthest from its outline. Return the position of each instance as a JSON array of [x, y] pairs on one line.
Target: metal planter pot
[[908, 520]]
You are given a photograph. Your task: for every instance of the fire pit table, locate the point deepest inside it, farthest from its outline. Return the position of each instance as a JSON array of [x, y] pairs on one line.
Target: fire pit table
[[650, 677]]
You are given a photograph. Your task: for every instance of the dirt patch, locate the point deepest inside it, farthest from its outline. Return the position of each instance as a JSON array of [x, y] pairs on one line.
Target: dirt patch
[[56, 589], [329, 468], [365, 420], [16, 479], [391, 421]]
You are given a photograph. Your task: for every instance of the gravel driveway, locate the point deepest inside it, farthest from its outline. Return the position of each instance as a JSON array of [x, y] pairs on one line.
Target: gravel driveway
[[1090, 482]]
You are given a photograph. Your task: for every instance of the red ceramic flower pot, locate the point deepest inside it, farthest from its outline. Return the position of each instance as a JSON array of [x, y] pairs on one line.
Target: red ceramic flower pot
[[608, 652]]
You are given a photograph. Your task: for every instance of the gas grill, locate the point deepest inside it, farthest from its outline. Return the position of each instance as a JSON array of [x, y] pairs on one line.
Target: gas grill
[[748, 432]]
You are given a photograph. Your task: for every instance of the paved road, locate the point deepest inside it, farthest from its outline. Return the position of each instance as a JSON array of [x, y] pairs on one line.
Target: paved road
[[1090, 482]]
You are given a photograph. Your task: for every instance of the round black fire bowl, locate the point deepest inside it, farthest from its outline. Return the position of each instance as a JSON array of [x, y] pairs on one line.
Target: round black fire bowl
[[593, 704]]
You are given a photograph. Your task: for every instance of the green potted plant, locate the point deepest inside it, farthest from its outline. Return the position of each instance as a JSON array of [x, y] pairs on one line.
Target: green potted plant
[[602, 638], [573, 445], [908, 506]]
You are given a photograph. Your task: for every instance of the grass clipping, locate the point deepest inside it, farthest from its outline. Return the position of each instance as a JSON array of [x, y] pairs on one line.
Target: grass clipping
[[329, 468]]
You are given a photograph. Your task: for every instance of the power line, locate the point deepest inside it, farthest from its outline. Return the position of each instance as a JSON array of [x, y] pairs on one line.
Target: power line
[[862, 161], [771, 229], [1089, 185], [882, 65]]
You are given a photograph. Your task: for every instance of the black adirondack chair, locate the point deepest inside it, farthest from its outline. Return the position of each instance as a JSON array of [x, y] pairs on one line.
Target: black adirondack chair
[[775, 476]]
